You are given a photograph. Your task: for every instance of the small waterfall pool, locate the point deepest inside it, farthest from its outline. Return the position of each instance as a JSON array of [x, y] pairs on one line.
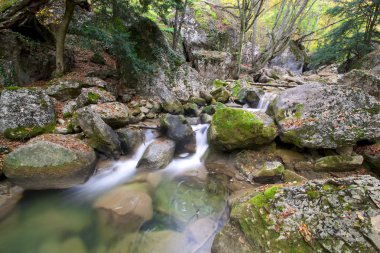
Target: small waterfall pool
[[189, 207]]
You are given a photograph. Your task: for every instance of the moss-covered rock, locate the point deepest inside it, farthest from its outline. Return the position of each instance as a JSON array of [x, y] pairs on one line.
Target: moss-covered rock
[[93, 95], [337, 215], [221, 95], [271, 172], [25, 113], [238, 129], [63, 90], [50, 162], [173, 107], [338, 163]]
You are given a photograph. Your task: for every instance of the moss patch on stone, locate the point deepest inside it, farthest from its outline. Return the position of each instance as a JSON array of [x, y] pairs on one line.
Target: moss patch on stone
[[24, 133]]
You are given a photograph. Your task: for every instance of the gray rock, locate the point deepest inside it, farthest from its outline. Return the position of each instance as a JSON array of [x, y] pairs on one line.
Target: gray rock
[[64, 89], [96, 82], [50, 162], [205, 118], [93, 96], [25, 113], [249, 96], [339, 215], [364, 80], [206, 96], [338, 163], [178, 129], [158, 155], [271, 172], [114, 114], [69, 109], [319, 116], [101, 136]]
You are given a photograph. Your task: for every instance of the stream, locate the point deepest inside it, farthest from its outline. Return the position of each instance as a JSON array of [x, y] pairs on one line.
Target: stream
[[177, 209]]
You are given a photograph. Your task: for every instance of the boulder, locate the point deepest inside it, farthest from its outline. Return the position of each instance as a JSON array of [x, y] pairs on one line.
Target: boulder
[[114, 114], [63, 90], [173, 107], [25, 113], [338, 163], [249, 96], [271, 172], [128, 205], [221, 94], [158, 155], [130, 139], [364, 80], [191, 110], [101, 136], [94, 95], [240, 129], [337, 215], [50, 162], [213, 64], [178, 129], [320, 116], [10, 194]]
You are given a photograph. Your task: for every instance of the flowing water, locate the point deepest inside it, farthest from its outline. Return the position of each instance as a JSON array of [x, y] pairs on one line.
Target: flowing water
[[189, 208]]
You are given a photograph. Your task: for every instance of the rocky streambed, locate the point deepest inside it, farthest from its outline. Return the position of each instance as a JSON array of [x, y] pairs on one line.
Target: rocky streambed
[[290, 170]]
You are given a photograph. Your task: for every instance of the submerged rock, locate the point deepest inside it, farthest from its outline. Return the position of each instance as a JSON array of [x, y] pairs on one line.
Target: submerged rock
[[101, 136], [158, 155], [338, 215], [319, 116], [128, 205], [25, 113], [238, 129], [178, 129], [10, 194], [50, 162]]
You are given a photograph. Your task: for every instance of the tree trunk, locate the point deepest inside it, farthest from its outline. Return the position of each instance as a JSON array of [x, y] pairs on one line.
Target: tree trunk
[[61, 37], [238, 55], [176, 21]]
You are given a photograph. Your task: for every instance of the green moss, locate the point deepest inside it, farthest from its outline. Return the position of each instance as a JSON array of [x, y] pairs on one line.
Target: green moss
[[13, 88], [236, 89], [67, 115], [312, 194], [23, 133], [219, 83], [93, 98], [263, 199], [299, 108]]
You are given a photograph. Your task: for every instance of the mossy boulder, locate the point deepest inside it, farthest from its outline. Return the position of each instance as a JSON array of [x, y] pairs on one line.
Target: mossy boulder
[[239, 129], [25, 113], [173, 107], [94, 95], [271, 172], [50, 162], [191, 109], [337, 215], [319, 116], [338, 163], [221, 95]]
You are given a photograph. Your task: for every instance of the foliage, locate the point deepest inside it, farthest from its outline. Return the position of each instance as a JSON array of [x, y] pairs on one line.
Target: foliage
[[354, 36]]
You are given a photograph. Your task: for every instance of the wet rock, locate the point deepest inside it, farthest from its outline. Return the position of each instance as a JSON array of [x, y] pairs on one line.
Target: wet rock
[[114, 114], [319, 116], [221, 95], [178, 129], [130, 139], [173, 107], [231, 239], [126, 205], [64, 89], [25, 113], [338, 163], [101, 136], [94, 95], [205, 118], [158, 155], [238, 129], [10, 194], [191, 109], [336, 214], [249, 96], [50, 162]]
